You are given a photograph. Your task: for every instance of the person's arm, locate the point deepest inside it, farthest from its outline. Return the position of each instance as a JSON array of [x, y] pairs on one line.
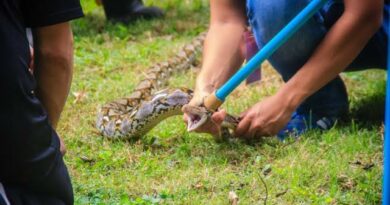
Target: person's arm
[[221, 57], [53, 47], [339, 48], [221, 54]]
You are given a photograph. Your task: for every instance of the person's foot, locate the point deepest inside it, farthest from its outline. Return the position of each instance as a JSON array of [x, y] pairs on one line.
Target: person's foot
[[125, 11], [301, 123], [141, 11]]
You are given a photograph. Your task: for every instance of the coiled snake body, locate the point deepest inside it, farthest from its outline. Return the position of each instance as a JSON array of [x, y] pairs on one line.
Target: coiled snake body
[[148, 105]]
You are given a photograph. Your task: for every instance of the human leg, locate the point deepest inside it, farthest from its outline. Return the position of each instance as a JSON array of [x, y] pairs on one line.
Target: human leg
[[53, 189], [3, 196], [269, 17]]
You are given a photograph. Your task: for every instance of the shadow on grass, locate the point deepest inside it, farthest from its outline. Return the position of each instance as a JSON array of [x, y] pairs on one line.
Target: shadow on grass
[[367, 98], [369, 111]]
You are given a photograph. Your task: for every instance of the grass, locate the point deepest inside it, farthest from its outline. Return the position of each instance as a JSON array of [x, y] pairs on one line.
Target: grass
[[171, 166]]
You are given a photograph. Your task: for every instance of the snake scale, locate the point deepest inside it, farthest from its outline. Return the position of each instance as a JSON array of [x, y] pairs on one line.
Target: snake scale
[[149, 104]]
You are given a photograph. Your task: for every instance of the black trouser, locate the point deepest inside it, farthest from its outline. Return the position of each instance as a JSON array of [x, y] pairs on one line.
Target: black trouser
[[31, 166], [53, 189], [34, 172]]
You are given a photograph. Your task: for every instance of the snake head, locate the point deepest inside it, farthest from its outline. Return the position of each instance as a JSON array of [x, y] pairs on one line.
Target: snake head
[[197, 116]]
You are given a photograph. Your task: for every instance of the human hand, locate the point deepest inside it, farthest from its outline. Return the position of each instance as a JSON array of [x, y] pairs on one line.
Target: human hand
[[265, 118], [62, 147]]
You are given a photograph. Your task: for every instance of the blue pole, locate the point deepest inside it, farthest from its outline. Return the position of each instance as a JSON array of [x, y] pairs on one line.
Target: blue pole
[[270, 48], [386, 147]]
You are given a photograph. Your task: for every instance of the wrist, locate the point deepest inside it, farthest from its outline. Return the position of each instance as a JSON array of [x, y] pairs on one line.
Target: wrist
[[292, 95], [204, 86], [205, 89]]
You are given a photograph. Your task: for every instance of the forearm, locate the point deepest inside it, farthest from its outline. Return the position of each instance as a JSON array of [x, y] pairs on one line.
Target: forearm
[[55, 76], [338, 49], [221, 57], [54, 67], [221, 53]]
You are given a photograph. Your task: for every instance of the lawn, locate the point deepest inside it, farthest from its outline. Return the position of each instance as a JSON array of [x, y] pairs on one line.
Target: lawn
[[171, 166]]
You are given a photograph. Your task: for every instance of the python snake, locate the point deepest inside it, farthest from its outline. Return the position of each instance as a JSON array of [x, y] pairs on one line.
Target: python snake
[[149, 104]]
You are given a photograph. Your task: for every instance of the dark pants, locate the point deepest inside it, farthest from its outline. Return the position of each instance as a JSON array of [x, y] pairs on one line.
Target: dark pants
[[31, 166], [53, 189]]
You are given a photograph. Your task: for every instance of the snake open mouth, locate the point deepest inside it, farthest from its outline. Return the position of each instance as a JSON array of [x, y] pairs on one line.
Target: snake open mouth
[[195, 121], [197, 116]]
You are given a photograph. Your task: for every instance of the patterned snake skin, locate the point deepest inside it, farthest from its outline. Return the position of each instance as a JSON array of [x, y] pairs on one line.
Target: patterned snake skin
[[149, 104]]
